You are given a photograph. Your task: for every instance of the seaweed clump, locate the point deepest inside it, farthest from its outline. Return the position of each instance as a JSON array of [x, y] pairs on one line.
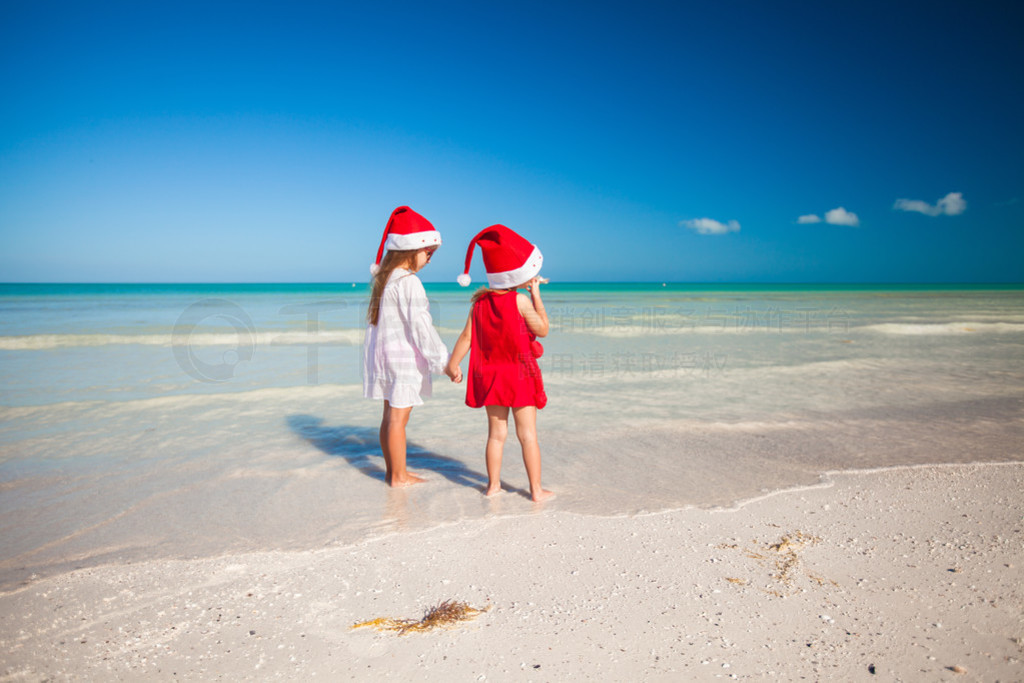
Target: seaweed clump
[[443, 614], [788, 549], [783, 557]]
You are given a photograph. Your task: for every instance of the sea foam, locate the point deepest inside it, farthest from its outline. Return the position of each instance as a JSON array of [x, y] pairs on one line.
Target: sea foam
[[41, 342], [964, 327]]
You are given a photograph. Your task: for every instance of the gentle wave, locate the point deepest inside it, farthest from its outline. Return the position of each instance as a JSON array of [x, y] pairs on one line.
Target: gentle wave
[[966, 327], [633, 331], [39, 342], [948, 328], [174, 401]]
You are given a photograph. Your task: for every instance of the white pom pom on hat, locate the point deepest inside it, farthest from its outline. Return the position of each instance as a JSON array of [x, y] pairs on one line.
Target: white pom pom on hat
[[406, 230], [509, 258]]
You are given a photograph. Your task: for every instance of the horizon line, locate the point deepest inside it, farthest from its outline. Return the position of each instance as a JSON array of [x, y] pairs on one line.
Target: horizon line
[[556, 283]]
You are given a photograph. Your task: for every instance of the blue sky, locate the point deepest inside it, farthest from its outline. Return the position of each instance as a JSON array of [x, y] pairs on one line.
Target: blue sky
[[269, 142]]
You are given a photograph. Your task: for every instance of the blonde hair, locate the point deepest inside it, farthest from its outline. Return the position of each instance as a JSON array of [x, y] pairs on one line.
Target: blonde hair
[[484, 291], [392, 259]]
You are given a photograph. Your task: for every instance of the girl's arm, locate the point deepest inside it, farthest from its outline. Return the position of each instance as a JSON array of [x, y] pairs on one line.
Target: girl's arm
[[415, 309], [532, 309], [460, 350]]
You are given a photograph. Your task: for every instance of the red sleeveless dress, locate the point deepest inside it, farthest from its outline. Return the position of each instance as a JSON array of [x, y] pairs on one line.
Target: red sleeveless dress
[[503, 368]]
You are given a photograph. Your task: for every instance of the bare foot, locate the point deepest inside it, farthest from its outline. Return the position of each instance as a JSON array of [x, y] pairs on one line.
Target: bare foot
[[493, 490], [542, 495], [408, 480]]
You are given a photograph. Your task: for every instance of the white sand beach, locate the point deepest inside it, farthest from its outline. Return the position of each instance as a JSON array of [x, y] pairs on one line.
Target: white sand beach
[[900, 574]]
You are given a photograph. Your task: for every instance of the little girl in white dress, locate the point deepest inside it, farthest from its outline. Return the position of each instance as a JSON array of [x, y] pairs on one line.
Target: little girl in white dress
[[402, 349]]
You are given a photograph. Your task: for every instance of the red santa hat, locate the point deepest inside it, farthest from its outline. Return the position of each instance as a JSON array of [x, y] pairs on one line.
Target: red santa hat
[[509, 259], [406, 230]]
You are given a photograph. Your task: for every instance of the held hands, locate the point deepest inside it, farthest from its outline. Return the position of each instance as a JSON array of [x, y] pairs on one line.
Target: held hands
[[454, 373]]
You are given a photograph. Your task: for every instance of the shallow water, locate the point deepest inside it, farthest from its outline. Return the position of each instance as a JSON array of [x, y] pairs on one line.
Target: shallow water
[[177, 421]]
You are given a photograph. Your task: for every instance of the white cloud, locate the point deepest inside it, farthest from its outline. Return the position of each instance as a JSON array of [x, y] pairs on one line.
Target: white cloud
[[953, 204], [841, 216], [709, 226], [838, 216], [915, 205]]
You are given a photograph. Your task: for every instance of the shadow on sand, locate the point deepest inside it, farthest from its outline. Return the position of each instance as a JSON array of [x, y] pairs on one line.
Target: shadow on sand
[[361, 448]]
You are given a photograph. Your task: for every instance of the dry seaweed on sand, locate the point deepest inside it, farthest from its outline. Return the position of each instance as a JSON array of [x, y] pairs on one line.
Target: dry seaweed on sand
[[443, 614], [783, 557], [788, 551]]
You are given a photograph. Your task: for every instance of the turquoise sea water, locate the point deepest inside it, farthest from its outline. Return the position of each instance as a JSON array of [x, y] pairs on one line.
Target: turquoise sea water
[[177, 420]]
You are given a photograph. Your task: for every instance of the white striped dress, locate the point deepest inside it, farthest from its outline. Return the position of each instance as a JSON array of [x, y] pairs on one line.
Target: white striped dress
[[402, 350]]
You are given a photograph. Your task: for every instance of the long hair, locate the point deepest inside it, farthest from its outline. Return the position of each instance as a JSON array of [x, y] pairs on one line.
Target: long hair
[[392, 259]]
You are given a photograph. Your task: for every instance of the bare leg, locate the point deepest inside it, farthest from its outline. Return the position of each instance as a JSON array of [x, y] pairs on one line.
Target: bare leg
[[392, 445], [497, 432], [383, 438], [526, 430]]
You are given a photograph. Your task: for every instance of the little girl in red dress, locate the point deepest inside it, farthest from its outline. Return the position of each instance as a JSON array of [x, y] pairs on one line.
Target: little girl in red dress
[[501, 338]]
